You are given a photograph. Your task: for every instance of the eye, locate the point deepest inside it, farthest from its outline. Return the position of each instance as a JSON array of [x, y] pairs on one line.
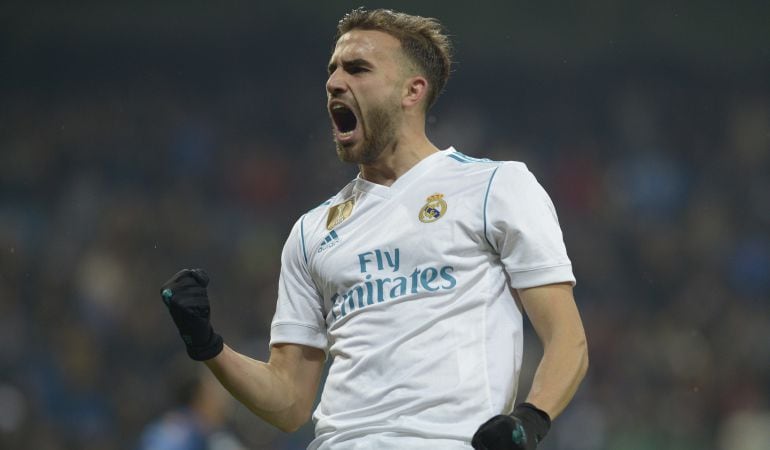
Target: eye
[[357, 69]]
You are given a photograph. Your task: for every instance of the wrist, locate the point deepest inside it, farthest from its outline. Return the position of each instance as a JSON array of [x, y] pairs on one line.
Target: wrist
[[535, 419], [208, 350]]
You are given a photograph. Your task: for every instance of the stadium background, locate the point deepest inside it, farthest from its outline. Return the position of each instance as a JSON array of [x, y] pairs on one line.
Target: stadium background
[[137, 138]]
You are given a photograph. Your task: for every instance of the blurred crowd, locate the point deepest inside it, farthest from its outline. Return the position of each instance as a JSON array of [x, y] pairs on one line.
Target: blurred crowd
[[660, 175]]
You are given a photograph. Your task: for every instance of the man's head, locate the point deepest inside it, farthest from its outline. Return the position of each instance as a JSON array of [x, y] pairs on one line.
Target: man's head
[[387, 68], [425, 45]]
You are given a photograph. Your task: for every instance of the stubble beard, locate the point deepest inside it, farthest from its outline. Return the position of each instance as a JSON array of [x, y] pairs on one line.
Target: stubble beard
[[380, 133]]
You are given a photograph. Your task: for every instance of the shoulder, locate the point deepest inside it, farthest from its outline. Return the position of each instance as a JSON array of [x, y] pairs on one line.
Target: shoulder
[[321, 209], [456, 158], [313, 221], [460, 159], [498, 182], [319, 212], [485, 168]]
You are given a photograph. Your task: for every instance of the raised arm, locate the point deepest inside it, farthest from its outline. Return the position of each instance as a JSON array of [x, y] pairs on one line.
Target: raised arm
[[280, 391]]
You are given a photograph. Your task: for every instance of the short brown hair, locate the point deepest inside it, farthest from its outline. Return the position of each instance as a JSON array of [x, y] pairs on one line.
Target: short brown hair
[[422, 39]]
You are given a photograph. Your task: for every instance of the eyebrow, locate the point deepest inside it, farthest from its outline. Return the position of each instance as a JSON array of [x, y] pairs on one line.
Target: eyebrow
[[358, 62]]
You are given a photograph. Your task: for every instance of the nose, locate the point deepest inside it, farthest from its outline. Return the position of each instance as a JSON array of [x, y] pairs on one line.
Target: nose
[[335, 84]]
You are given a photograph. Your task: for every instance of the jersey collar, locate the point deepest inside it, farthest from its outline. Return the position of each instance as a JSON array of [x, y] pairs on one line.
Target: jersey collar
[[402, 182]]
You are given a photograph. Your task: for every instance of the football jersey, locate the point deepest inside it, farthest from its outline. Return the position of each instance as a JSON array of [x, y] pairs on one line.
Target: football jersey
[[408, 289]]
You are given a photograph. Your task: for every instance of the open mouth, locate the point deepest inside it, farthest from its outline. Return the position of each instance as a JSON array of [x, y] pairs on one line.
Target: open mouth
[[345, 120]]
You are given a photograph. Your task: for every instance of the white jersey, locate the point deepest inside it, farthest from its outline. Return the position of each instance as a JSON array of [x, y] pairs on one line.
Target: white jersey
[[408, 289]]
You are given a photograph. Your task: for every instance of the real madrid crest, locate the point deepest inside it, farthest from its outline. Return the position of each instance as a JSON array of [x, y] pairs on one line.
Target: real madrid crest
[[434, 209], [338, 213]]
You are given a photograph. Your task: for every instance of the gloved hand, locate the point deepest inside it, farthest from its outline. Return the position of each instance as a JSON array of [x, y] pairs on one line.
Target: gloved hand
[[522, 430], [188, 302]]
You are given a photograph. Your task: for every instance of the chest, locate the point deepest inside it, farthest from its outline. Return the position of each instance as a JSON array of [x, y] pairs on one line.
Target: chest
[[413, 234]]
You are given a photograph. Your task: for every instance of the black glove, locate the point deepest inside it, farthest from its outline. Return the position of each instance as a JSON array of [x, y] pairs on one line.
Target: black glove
[[187, 301], [522, 430]]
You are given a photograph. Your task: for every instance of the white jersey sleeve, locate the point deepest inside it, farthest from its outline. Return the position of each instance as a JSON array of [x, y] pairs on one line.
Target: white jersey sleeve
[[521, 225], [299, 314]]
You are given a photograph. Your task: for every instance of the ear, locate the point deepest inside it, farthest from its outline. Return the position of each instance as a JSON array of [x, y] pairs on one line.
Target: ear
[[415, 91]]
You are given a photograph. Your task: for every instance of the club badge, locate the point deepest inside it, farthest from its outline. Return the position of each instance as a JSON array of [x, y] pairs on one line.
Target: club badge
[[434, 209], [338, 213]]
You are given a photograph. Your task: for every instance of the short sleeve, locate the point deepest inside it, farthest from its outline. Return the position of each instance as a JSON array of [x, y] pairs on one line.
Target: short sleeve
[[298, 315], [521, 225]]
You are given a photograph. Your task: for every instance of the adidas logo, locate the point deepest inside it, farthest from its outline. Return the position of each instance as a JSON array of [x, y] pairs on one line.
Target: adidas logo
[[330, 241]]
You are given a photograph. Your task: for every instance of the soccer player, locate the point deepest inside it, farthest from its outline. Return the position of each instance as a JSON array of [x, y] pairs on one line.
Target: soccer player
[[413, 278]]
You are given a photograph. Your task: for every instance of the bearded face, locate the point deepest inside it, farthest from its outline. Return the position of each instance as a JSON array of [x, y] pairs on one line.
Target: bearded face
[[378, 130], [366, 75]]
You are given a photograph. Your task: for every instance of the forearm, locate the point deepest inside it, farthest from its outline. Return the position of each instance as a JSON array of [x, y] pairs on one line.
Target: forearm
[[261, 387], [562, 368]]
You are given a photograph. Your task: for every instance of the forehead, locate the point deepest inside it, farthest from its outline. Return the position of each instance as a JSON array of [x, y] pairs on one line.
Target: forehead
[[371, 45]]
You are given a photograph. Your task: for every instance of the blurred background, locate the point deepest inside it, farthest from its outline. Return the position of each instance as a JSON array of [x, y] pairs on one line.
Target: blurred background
[[138, 138]]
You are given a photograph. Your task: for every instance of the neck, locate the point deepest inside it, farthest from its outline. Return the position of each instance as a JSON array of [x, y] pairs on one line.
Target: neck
[[397, 159]]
